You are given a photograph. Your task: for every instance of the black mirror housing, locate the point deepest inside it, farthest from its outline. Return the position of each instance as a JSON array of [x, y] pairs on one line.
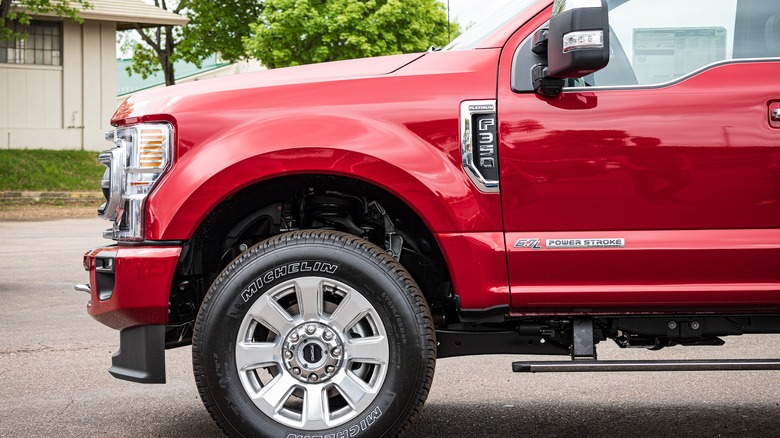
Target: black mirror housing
[[578, 39]]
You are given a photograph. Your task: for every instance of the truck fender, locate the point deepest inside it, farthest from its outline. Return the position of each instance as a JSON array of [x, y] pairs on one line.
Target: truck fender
[[387, 155]]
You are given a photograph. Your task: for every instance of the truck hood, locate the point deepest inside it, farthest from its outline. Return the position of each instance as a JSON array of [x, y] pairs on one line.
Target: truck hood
[[153, 101]]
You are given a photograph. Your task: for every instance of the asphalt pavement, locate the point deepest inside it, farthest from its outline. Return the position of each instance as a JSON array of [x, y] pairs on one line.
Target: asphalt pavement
[[54, 379]]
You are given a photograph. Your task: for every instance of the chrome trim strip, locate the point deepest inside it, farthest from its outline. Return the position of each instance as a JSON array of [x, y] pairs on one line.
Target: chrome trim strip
[[467, 110], [673, 81]]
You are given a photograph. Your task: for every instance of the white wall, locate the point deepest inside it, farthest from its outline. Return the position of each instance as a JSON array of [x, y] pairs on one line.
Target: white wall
[[62, 107]]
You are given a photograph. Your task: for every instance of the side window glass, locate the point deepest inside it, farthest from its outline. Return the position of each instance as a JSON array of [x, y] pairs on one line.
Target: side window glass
[[657, 41]]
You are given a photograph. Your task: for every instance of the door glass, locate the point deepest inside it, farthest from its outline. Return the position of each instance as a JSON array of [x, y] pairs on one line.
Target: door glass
[[657, 41]]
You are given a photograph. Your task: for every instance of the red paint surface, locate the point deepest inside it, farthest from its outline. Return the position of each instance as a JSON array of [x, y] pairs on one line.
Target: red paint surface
[[143, 283], [398, 131], [685, 270], [477, 265], [688, 174]]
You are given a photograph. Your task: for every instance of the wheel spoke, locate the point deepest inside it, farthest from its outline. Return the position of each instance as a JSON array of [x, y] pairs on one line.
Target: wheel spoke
[[276, 392], [252, 355], [354, 390], [373, 349], [309, 294], [273, 316], [352, 309], [314, 407], [283, 388]]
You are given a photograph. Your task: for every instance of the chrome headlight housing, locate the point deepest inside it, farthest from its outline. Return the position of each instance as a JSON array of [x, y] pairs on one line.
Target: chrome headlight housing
[[141, 156]]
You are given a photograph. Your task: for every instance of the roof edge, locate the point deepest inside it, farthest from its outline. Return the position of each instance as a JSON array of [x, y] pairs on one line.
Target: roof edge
[[128, 14]]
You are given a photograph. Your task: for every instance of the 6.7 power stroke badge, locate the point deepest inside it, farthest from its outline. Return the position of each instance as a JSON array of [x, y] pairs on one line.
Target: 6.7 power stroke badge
[[571, 243]]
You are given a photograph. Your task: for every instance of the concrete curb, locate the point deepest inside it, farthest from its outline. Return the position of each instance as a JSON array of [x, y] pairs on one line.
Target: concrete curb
[[38, 196]]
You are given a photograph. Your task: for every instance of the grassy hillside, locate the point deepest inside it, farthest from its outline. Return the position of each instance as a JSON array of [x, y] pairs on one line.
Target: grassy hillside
[[47, 170]]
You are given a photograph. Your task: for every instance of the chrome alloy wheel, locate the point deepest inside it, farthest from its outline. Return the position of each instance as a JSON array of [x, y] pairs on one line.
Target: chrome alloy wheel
[[312, 353]]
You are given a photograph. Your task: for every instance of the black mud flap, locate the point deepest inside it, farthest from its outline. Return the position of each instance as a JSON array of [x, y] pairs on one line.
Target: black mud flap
[[141, 355]]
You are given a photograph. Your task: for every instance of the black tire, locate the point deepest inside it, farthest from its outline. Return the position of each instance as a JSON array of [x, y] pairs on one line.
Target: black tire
[[357, 360]]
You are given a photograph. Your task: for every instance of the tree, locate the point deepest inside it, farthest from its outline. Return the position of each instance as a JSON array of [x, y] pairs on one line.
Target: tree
[[214, 27], [16, 14], [157, 52], [219, 27], [294, 32]]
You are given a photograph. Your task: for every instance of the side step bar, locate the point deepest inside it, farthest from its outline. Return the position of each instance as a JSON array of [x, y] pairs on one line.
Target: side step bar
[[649, 365]]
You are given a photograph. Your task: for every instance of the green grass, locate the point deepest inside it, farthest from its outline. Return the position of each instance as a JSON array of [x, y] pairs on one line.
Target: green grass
[[47, 170]]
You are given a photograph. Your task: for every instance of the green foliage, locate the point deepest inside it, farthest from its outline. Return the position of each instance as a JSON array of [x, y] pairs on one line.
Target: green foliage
[[158, 48], [47, 170], [294, 32], [214, 27], [218, 27], [289, 32], [145, 60], [16, 14]]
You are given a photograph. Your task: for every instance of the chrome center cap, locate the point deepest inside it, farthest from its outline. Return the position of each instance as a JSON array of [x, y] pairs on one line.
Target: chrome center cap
[[312, 352]]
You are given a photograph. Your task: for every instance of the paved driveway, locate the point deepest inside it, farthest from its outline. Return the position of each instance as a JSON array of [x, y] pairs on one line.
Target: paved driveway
[[53, 378]]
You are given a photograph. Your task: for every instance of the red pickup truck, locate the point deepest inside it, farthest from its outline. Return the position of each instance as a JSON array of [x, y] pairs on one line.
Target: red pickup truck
[[564, 174]]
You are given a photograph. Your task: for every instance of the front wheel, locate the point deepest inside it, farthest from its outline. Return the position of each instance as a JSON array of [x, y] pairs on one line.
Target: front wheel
[[314, 333]]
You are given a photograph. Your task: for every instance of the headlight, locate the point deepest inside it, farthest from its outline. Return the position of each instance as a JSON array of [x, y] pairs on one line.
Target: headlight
[[141, 156], [146, 155]]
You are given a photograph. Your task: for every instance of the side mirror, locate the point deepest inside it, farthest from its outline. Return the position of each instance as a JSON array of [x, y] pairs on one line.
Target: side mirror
[[578, 38]]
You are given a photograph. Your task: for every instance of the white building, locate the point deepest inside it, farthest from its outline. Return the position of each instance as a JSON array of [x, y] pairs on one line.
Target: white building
[[58, 89]]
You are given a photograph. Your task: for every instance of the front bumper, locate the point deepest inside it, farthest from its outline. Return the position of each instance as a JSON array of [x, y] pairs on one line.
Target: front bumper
[[130, 285], [129, 291]]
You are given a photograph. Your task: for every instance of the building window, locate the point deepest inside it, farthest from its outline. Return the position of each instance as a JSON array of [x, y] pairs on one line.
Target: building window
[[43, 45]]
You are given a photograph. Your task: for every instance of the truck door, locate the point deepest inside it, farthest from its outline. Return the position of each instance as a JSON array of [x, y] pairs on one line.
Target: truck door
[[653, 184]]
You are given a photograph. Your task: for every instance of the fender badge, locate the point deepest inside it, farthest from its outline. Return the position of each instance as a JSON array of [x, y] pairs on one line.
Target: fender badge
[[528, 243], [585, 243]]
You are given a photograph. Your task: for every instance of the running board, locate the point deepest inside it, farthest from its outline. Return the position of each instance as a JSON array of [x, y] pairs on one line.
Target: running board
[[648, 365]]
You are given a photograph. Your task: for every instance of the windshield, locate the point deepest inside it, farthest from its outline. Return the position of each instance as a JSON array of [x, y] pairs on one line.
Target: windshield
[[475, 34]]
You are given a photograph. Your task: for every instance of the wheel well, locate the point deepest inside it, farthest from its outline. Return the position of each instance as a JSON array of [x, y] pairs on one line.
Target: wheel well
[[297, 202]]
